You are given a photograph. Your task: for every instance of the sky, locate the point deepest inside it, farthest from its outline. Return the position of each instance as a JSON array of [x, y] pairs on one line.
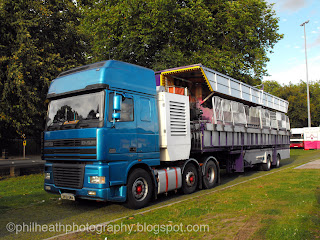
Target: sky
[[288, 62]]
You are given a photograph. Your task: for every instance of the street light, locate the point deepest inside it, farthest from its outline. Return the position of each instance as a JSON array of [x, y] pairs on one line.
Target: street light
[[305, 47]]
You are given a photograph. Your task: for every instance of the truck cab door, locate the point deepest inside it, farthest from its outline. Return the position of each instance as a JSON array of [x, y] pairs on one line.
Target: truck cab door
[[147, 128], [121, 142]]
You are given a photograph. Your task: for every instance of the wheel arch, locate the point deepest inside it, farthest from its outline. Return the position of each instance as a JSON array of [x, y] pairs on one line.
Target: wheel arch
[[192, 161]]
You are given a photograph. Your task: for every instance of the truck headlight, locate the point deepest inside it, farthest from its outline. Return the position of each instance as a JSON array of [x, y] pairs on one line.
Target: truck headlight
[[47, 176], [97, 179]]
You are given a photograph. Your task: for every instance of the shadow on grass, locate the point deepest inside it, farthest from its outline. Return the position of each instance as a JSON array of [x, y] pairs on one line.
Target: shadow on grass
[[224, 180], [297, 156]]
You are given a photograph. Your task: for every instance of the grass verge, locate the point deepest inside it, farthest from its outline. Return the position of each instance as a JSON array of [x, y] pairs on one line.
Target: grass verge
[[284, 205], [281, 205]]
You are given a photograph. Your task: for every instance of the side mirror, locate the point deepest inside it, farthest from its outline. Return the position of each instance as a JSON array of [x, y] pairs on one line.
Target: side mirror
[[117, 100]]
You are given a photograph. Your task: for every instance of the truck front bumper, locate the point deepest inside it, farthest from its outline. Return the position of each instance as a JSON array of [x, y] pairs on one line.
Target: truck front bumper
[[112, 194]]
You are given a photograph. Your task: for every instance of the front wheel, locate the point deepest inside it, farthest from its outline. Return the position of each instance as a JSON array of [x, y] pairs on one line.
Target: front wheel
[[190, 179], [139, 189]]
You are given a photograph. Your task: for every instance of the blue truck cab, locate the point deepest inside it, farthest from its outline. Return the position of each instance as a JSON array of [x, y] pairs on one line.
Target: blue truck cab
[[102, 126]]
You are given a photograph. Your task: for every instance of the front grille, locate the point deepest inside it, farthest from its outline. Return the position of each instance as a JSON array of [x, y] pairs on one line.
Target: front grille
[[81, 148], [78, 142], [68, 175], [70, 151], [67, 143]]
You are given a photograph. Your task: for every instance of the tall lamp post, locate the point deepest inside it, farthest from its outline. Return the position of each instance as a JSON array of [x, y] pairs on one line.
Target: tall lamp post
[[305, 48]]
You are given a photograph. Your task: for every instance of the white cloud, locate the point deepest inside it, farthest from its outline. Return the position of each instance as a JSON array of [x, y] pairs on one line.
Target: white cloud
[[291, 5], [314, 32], [298, 72], [315, 43]]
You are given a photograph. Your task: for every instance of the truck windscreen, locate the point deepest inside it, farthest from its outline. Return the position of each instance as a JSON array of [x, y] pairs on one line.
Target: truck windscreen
[[82, 111]]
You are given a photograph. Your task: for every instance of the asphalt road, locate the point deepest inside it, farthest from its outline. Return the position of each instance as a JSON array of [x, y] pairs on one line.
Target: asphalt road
[[20, 162], [16, 166]]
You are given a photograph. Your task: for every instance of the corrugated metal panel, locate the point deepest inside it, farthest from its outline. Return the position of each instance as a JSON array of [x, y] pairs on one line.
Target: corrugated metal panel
[[231, 87]]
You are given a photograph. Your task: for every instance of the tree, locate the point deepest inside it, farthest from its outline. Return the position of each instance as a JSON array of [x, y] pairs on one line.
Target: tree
[[296, 95], [273, 88], [39, 39], [314, 103], [232, 37]]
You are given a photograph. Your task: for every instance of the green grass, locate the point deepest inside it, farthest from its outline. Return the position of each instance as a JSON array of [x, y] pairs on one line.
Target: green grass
[[272, 207], [22, 192], [281, 205]]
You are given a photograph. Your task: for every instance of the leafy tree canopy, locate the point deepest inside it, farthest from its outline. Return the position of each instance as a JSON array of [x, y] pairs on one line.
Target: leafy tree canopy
[[38, 40], [41, 38], [296, 94], [232, 37]]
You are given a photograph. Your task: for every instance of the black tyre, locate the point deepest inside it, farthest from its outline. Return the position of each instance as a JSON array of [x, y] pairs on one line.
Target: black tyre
[[266, 166], [139, 189], [190, 179], [210, 175], [277, 165]]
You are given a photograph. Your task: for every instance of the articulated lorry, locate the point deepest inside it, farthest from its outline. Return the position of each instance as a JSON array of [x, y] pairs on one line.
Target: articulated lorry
[[124, 133]]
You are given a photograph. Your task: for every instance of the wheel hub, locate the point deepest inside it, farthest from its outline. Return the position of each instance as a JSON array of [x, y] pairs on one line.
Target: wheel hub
[[210, 174], [190, 179], [140, 189]]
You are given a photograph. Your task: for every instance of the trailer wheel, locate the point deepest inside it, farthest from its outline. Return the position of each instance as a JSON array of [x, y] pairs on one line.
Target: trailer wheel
[[189, 179], [139, 189], [266, 166], [210, 175], [277, 161]]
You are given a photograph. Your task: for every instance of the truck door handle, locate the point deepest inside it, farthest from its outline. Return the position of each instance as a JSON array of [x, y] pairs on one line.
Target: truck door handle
[[133, 149]]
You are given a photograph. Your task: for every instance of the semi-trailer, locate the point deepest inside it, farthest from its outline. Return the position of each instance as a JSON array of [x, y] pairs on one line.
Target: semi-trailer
[[124, 133]]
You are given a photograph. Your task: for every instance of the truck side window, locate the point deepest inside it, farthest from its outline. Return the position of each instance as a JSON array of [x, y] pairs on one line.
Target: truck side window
[[145, 112], [127, 109]]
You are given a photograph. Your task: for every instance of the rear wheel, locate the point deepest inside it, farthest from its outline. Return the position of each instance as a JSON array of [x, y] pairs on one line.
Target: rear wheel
[[210, 175], [266, 166], [277, 161], [139, 189], [190, 179]]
